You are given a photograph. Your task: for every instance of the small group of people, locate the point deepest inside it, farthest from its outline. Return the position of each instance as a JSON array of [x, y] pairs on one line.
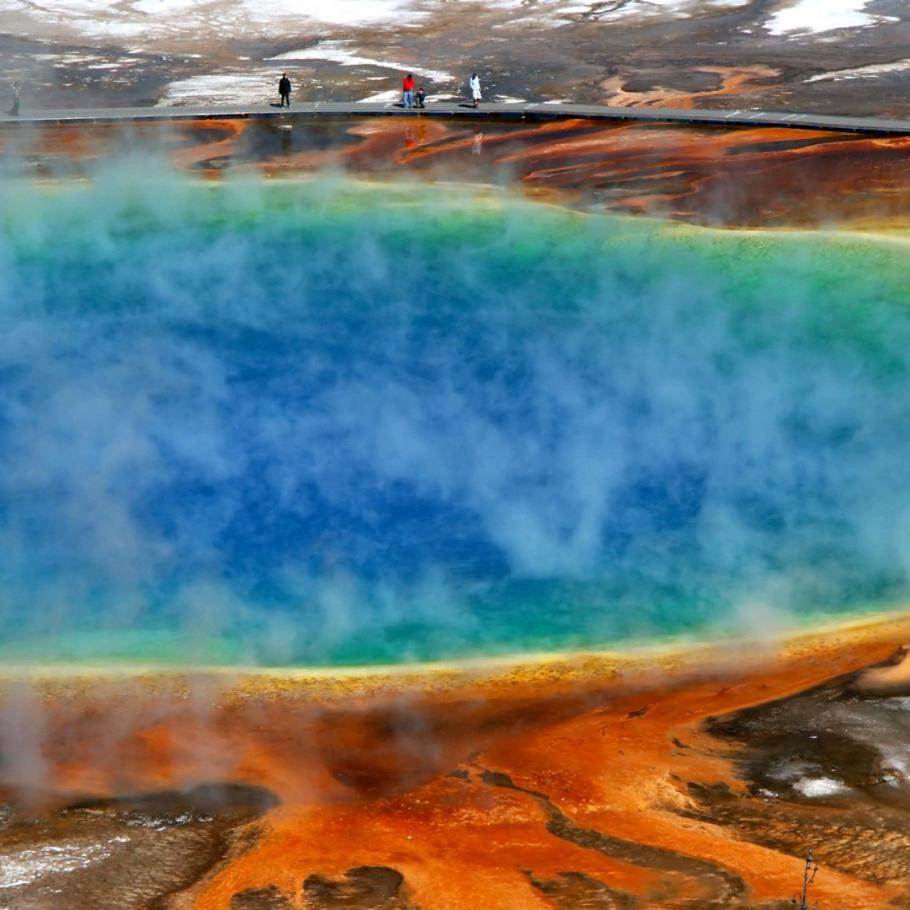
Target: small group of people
[[410, 97]]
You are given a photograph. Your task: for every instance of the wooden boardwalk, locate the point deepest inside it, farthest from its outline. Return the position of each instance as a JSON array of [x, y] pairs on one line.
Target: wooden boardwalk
[[523, 111]]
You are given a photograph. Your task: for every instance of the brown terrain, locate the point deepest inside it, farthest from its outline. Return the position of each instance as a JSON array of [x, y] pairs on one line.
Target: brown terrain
[[718, 176], [678, 780], [770, 54]]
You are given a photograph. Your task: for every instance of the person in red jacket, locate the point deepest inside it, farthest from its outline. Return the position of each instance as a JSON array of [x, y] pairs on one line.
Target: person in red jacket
[[408, 90]]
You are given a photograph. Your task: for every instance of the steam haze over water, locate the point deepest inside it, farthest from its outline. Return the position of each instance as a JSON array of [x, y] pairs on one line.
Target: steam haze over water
[[321, 423]]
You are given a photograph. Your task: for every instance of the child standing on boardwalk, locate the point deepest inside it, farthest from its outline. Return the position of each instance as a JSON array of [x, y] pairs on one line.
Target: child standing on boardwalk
[[408, 90]]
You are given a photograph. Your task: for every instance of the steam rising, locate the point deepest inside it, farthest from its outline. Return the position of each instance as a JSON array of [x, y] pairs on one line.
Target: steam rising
[[324, 423]]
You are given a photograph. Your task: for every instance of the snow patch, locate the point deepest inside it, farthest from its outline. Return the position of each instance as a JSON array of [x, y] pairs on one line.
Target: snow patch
[[863, 72], [23, 867], [677, 9], [388, 97], [814, 787], [333, 12], [165, 7], [817, 16], [229, 88], [340, 52]]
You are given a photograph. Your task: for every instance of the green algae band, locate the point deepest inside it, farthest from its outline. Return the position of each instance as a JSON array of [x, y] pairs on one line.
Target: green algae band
[[328, 423]]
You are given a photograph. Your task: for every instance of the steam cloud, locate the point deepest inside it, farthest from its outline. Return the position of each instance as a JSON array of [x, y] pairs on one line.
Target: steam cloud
[[324, 423]]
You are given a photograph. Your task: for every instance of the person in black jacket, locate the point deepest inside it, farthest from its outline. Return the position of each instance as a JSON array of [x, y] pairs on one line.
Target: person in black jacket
[[284, 89]]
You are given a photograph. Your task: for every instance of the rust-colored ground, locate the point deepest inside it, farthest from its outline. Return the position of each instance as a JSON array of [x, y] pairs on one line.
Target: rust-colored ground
[[569, 783], [726, 177]]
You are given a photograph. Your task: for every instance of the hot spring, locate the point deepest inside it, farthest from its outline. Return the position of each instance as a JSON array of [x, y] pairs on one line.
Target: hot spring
[[327, 423]]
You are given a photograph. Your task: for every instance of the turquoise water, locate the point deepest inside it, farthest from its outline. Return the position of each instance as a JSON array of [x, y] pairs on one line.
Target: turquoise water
[[330, 424]]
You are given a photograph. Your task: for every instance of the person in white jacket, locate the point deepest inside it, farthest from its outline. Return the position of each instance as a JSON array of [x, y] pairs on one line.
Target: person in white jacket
[[474, 84]]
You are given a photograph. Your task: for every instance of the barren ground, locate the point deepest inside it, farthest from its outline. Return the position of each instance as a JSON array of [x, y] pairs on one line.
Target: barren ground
[[843, 56]]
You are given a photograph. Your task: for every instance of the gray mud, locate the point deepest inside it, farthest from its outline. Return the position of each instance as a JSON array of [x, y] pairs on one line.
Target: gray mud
[[827, 770], [131, 853]]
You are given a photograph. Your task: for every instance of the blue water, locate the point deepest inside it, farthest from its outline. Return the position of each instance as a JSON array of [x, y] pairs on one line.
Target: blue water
[[321, 425]]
